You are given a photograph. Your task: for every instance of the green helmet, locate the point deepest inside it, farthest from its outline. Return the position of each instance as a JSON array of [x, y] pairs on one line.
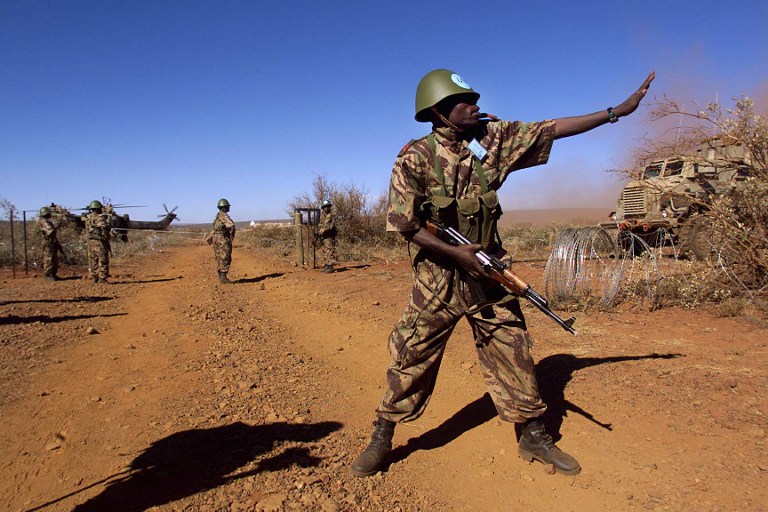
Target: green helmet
[[435, 87], [222, 203], [95, 205], [44, 212], [325, 203]]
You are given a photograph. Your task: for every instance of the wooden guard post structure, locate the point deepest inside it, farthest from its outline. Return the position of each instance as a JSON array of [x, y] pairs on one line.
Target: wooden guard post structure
[[306, 221]]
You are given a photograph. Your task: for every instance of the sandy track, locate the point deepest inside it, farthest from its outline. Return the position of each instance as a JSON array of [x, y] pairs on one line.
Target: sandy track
[[257, 395]]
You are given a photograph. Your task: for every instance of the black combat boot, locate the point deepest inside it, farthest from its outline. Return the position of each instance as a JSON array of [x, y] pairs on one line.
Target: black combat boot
[[535, 443], [223, 278], [372, 458]]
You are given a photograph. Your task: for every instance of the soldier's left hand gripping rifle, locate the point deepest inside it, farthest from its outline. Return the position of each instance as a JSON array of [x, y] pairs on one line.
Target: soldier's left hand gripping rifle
[[499, 272]]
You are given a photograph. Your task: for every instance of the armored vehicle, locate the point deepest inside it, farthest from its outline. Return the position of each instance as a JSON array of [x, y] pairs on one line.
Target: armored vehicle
[[665, 206]]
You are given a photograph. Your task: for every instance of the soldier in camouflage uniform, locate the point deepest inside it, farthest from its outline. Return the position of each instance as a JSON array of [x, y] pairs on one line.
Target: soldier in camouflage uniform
[[327, 232], [51, 245], [451, 177], [98, 230], [223, 236]]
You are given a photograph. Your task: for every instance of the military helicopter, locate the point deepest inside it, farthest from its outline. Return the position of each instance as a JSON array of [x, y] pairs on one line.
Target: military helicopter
[[120, 223], [123, 222]]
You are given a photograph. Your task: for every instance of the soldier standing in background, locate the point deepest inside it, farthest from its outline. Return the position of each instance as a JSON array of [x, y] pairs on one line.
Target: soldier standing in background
[[327, 232], [450, 177], [223, 236], [97, 230], [51, 245]]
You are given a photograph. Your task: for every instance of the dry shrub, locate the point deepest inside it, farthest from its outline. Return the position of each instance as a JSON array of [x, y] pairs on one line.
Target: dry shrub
[[141, 242], [371, 244], [527, 240], [691, 284], [361, 222], [732, 307], [737, 220], [267, 236], [739, 236]]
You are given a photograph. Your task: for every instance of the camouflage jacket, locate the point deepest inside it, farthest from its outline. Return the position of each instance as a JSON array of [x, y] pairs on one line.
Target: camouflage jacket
[[511, 145], [327, 226], [47, 230], [224, 226], [97, 226]]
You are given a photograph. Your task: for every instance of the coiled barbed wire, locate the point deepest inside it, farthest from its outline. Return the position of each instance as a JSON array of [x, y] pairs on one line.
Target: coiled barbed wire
[[593, 265]]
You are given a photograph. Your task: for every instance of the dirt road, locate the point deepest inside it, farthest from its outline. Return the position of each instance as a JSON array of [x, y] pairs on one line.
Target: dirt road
[[167, 391]]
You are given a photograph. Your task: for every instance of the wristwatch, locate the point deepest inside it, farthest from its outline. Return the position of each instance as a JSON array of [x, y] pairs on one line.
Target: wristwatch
[[612, 117]]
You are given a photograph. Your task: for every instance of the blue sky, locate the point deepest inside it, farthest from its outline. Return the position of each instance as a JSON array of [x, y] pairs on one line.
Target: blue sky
[[184, 102]]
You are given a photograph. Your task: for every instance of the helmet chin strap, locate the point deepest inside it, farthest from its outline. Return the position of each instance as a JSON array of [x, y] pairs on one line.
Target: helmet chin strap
[[446, 121]]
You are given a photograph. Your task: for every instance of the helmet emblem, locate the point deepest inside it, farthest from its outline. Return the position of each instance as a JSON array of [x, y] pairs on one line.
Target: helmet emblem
[[459, 81]]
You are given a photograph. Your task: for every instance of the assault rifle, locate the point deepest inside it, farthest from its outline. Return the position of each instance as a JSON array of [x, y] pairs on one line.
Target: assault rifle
[[508, 279], [60, 249]]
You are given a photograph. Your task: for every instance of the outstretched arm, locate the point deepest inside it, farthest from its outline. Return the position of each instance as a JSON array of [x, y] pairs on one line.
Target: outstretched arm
[[567, 126]]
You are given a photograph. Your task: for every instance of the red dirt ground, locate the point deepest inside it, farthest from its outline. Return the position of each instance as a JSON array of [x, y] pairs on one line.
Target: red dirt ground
[[168, 391]]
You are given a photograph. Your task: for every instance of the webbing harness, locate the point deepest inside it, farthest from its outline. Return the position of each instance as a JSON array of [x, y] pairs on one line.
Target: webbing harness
[[439, 170], [475, 288]]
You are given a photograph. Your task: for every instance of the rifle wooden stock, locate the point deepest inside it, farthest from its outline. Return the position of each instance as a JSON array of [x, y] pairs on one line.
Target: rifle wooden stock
[[508, 279]]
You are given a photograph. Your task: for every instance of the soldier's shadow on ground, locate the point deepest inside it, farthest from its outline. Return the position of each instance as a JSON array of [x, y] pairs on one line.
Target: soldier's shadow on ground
[[257, 279], [15, 319], [553, 374], [193, 461], [88, 298], [70, 278], [470, 416], [337, 270], [146, 281]]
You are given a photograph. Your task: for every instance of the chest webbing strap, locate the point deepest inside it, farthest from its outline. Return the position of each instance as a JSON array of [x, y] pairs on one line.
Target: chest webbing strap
[[441, 175]]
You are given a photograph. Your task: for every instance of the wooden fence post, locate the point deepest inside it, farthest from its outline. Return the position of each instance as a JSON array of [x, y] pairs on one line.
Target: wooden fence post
[[299, 241]]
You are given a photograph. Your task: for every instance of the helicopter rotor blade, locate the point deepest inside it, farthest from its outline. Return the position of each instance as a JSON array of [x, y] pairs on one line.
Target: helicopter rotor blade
[[168, 212]]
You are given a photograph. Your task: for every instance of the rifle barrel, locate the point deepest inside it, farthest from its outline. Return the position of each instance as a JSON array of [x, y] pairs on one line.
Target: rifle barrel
[[541, 303], [511, 280]]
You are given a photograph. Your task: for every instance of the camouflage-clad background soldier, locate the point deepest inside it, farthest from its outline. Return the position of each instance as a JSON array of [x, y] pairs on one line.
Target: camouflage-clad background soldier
[[327, 232], [97, 229], [451, 177], [51, 245], [223, 236]]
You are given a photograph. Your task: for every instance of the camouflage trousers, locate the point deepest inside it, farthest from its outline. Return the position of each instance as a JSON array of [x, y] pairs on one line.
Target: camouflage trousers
[[222, 250], [329, 250], [50, 259], [98, 259], [418, 341]]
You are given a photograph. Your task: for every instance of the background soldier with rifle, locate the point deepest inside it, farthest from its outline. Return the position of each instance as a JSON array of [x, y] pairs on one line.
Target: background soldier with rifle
[[450, 178], [327, 232], [223, 237], [51, 245], [98, 231]]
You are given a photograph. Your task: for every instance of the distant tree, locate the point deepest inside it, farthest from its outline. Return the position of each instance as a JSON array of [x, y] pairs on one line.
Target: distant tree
[[358, 216], [6, 207]]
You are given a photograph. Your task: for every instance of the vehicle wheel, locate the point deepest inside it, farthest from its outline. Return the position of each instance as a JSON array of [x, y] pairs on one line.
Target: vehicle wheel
[[696, 238]]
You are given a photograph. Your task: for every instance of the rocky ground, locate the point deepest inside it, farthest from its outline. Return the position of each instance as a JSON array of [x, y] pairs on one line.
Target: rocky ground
[[168, 391]]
